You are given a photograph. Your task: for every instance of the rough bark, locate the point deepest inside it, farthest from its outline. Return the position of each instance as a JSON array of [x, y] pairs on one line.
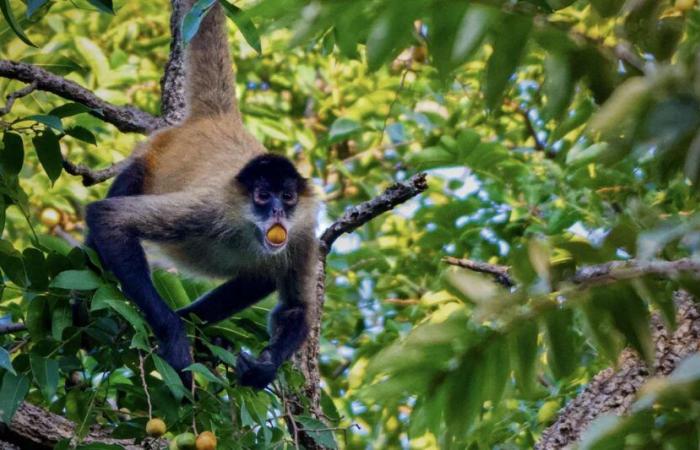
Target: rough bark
[[34, 427], [614, 389], [125, 118], [173, 104], [306, 359]]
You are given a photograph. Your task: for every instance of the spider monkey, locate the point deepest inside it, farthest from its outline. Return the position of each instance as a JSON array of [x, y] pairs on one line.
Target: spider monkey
[[217, 203]]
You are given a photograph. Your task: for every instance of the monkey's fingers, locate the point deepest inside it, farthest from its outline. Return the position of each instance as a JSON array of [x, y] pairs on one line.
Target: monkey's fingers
[[254, 373]]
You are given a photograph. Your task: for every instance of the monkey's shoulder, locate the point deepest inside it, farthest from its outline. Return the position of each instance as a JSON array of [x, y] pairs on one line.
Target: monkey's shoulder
[[205, 151]]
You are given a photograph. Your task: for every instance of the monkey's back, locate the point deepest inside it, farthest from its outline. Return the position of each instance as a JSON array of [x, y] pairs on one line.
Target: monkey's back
[[203, 152]]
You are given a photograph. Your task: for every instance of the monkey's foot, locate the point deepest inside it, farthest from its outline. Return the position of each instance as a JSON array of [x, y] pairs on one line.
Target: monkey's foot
[[255, 373], [176, 352]]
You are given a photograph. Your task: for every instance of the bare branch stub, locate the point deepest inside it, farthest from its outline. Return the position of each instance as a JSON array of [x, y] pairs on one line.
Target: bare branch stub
[[93, 176], [125, 118], [26, 90]]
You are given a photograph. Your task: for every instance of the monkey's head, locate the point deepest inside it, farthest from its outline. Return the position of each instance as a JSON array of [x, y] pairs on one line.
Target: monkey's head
[[274, 187]]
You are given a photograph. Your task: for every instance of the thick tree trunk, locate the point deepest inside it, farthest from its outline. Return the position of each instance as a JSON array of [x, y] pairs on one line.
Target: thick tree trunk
[[614, 389]]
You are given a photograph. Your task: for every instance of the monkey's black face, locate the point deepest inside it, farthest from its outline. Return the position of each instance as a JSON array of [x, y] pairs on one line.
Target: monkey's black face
[[273, 186]]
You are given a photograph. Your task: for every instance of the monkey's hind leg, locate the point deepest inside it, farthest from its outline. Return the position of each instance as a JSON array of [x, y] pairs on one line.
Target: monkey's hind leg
[[117, 226], [289, 328]]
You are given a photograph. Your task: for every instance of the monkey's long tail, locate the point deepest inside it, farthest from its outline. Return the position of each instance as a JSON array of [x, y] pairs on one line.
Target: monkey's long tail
[[210, 87]]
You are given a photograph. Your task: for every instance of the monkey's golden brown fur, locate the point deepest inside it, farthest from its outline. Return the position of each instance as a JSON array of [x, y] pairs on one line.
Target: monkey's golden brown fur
[[205, 191]]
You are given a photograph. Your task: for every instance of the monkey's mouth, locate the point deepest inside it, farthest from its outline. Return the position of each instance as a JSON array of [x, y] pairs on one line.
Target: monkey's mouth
[[276, 236]]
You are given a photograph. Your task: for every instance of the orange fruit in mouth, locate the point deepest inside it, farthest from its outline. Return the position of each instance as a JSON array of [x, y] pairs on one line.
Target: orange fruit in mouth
[[277, 234]]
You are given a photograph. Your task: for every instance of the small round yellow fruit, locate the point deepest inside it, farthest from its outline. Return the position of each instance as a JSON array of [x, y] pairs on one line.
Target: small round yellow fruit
[[185, 441], [155, 427], [277, 234], [206, 441], [50, 217]]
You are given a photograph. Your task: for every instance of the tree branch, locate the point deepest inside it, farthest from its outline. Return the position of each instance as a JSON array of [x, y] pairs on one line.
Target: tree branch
[[28, 89], [93, 176], [358, 215], [173, 104], [125, 118], [306, 359], [499, 273], [586, 276], [34, 427], [614, 390]]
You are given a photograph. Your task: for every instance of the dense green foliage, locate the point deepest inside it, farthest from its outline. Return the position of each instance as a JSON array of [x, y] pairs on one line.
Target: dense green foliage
[[556, 134]]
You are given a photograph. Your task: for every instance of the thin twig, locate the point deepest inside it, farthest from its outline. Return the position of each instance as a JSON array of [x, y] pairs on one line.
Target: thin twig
[[93, 176], [26, 90], [145, 385], [500, 273], [595, 275]]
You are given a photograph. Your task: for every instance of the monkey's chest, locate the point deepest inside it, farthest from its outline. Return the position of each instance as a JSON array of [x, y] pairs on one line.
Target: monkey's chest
[[216, 259]]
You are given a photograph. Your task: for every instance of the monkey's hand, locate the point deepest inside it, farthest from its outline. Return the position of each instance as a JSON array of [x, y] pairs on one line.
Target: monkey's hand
[[256, 373], [175, 349]]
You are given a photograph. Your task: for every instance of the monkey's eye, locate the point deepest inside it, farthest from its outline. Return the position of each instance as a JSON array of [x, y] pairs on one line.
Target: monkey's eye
[[289, 197], [261, 197]]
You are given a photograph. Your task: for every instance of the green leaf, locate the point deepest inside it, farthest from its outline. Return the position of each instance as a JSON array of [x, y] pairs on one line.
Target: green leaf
[[129, 313], [48, 120], [607, 340], [34, 5], [523, 349], [171, 289], [390, 32], [49, 152], [245, 25], [95, 58], [103, 5], [475, 24], [508, 48], [12, 264], [342, 129], [318, 431], [14, 389], [82, 133], [223, 354], [630, 316], [79, 280], [69, 109], [12, 155], [38, 318], [205, 372], [35, 266], [193, 19], [558, 85], [562, 348], [45, 373], [10, 18], [170, 378], [103, 294], [6, 361], [61, 318]]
